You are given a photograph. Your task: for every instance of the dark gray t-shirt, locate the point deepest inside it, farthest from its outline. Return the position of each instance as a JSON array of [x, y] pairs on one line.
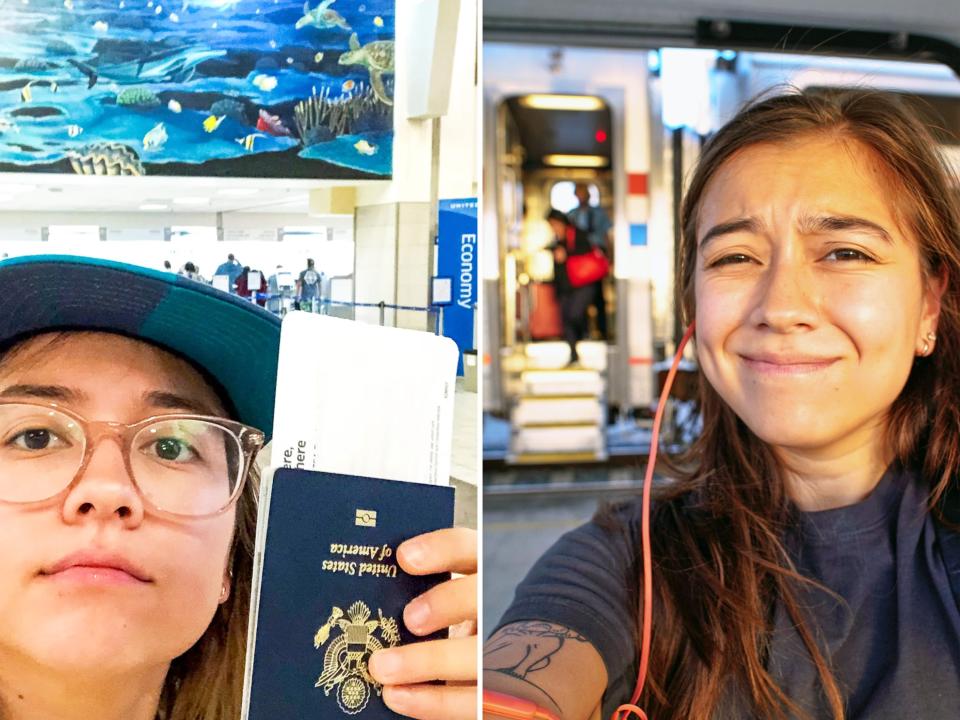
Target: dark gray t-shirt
[[894, 643]]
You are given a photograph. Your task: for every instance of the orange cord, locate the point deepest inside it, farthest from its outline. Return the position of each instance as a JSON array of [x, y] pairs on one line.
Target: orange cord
[[624, 711]]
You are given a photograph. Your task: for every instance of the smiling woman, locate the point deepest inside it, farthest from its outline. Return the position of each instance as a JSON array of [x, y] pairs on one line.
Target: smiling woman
[[802, 556]]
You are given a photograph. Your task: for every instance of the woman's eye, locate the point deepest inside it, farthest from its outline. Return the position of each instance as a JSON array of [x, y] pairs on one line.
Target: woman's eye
[[732, 259], [37, 439], [172, 450], [848, 254]]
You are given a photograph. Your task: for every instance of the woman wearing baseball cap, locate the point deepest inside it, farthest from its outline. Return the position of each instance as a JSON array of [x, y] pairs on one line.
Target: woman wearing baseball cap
[[125, 578]]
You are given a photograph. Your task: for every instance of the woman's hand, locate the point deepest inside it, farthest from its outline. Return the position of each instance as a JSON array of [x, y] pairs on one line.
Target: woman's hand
[[560, 254], [404, 671]]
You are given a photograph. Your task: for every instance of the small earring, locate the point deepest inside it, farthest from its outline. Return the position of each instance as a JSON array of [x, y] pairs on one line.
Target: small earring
[[223, 592], [926, 349]]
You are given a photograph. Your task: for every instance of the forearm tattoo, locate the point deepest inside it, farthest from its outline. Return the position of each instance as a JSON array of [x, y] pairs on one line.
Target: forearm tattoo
[[521, 649]]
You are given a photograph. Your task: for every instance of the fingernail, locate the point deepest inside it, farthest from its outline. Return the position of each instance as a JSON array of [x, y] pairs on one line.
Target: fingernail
[[383, 665], [413, 553], [417, 614], [396, 697]]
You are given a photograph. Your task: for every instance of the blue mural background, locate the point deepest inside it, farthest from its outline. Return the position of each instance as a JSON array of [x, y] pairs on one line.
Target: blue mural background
[[245, 88]]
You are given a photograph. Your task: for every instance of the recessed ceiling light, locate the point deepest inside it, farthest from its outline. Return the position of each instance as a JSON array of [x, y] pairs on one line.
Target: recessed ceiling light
[[562, 102], [588, 161], [191, 201], [153, 206], [238, 192]]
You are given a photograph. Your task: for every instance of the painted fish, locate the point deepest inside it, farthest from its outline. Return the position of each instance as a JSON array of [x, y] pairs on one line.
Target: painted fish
[[318, 57], [213, 122], [74, 130], [174, 106], [100, 26], [247, 142], [348, 86], [265, 82], [174, 17], [159, 10], [378, 21], [26, 94], [156, 138], [272, 124], [365, 148], [68, 4]]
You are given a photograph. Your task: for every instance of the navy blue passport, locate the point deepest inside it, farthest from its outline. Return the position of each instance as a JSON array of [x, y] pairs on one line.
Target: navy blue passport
[[328, 590]]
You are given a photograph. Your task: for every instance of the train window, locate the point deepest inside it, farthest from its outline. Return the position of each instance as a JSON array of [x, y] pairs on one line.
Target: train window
[[563, 198]]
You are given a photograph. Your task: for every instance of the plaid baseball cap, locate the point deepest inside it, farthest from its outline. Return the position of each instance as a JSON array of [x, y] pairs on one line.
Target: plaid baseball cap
[[234, 341]]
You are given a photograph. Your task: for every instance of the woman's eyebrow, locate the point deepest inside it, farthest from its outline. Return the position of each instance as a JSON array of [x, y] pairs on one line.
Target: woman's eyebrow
[[808, 225], [833, 223], [748, 224], [172, 401], [47, 392]]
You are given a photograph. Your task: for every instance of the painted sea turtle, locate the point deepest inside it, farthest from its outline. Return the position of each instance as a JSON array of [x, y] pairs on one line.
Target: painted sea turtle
[[377, 57], [321, 17]]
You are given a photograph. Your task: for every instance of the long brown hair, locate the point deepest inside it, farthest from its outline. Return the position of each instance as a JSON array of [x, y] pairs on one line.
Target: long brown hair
[[717, 531], [206, 682]]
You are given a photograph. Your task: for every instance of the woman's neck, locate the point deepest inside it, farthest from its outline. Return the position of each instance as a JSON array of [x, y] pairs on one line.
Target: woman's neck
[[839, 474], [31, 692]]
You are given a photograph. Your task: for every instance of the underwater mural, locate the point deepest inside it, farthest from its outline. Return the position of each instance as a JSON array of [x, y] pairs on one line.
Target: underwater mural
[[224, 88]]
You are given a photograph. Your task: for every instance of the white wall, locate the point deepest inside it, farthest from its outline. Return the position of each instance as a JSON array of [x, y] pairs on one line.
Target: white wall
[[459, 129]]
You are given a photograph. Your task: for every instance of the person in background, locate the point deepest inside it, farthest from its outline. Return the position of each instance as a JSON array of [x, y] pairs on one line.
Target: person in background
[[308, 286], [190, 271], [593, 220], [243, 287], [574, 301], [231, 268]]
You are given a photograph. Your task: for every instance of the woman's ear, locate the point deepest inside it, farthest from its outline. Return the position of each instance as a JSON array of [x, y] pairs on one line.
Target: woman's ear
[[936, 286]]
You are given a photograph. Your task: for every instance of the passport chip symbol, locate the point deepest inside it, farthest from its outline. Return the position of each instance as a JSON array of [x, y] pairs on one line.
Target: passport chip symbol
[[366, 518]]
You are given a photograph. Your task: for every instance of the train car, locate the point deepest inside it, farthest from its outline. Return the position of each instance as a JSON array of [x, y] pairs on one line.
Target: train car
[[617, 98]]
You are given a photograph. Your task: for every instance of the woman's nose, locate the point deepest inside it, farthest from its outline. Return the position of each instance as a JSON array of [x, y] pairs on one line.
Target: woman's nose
[[786, 296], [104, 488]]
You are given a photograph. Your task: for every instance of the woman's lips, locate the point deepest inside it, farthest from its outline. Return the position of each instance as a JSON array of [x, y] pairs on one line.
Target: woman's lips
[[786, 367], [93, 575], [96, 567]]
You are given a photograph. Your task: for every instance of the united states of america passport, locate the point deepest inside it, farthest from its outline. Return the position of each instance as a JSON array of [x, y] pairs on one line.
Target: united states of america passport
[[328, 591]]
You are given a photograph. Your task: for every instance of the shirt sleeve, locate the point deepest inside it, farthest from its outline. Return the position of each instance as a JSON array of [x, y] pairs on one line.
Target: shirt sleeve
[[588, 582]]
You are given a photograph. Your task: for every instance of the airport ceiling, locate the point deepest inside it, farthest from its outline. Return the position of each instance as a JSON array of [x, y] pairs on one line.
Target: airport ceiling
[[653, 23]]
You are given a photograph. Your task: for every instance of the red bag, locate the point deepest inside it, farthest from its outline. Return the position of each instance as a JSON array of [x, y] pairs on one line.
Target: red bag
[[585, 269]]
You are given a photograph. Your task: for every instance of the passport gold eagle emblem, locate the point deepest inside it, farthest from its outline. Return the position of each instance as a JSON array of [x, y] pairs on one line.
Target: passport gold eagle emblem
[[345, 661]]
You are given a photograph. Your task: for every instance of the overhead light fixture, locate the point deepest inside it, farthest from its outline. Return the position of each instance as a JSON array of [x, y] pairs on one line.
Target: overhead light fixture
[[238, 192], [579, 161], [153, 206], [562, 102], [191, 201]]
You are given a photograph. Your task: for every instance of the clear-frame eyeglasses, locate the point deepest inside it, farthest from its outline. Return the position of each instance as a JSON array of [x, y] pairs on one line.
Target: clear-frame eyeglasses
[[182, 465]]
